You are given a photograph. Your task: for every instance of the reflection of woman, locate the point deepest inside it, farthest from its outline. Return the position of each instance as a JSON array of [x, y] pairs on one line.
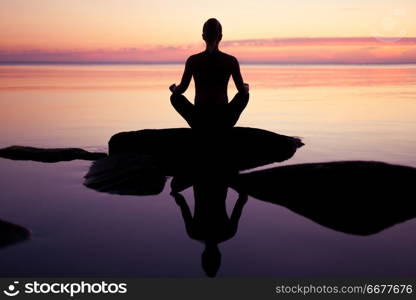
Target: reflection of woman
[[210, 223]]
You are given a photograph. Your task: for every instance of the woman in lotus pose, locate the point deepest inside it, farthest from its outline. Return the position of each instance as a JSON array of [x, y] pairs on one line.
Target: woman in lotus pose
[[211, 71]]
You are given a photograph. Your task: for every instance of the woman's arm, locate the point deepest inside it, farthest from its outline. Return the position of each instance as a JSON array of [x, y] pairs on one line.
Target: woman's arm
[[238, 209], [186, 212], [186, 79], [238, 79]]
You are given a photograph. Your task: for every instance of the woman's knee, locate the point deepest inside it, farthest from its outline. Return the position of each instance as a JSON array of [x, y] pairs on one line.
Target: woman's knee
[[240, 101], [244, 96], [180, 100], [174, 99]]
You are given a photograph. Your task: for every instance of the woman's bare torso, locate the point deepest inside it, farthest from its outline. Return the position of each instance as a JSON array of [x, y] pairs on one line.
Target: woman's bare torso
[[211, 73]]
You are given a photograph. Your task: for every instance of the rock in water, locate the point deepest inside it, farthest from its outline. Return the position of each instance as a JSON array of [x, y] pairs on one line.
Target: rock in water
[[357, 197], [11, 234], [139, 161], [177, 149], [48, 155], [126, 174]]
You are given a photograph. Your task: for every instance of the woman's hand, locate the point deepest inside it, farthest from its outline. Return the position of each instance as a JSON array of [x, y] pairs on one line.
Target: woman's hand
[[246, 87], [172, 88]]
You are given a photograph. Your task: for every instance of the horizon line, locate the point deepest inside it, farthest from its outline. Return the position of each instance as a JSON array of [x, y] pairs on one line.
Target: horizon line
[[182, 62]]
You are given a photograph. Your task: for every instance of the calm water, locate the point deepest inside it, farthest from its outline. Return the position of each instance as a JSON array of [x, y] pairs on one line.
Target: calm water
[[341, 113]]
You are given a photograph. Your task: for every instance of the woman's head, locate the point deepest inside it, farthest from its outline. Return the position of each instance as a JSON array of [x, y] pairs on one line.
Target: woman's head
[[212, 31], [211, 259]]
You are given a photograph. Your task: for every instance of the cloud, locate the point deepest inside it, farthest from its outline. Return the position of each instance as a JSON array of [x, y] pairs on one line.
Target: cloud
[[330, 41], [127, 54], [280, 50]]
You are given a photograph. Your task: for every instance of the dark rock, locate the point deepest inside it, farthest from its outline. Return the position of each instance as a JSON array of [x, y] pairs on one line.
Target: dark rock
[[11, 234], [126, 174], [139, 161], [180, 149], [357, 197], [48, 155]]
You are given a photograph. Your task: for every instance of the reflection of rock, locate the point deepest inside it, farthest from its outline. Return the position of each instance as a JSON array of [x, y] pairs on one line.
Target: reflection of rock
[[355, 197], [125, 175], [48, 155], [11, 234], [177, 149]]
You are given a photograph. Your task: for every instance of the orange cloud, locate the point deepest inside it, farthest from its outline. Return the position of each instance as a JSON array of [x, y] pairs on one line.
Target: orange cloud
[[328, 41], [286, 50]]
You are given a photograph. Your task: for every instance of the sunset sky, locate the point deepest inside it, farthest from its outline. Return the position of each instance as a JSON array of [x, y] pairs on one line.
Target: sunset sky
[[298, 31]]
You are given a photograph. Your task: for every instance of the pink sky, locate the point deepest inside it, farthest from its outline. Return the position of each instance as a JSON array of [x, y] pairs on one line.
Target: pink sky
[[301, 31]]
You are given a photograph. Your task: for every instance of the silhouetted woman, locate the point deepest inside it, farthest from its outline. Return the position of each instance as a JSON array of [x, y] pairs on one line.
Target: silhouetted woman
[[211, 71]]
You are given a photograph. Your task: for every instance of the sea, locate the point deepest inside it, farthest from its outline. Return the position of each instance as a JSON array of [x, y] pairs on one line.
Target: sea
[[341, 112]]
